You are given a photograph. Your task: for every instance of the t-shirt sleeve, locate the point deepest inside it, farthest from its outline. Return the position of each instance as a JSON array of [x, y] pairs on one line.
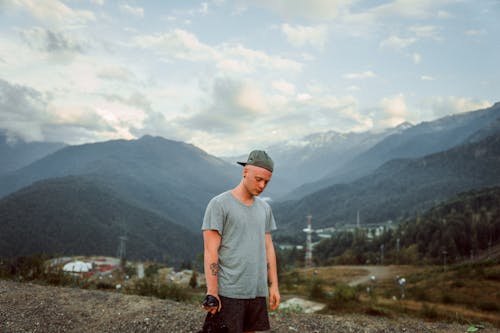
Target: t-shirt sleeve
[[270, 222], [214, 217]]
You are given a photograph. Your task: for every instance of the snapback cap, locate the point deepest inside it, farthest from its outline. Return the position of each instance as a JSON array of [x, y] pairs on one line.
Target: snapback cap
[[259, 158]]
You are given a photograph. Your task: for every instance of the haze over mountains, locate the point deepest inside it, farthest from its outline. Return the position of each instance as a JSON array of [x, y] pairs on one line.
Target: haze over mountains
[[385, 175], [404, 141], [16, 154]]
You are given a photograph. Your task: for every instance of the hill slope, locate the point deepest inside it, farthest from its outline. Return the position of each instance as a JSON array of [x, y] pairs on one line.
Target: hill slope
[[412, 142], [399, 187], [76, 310], [76, 216], [170, 178]]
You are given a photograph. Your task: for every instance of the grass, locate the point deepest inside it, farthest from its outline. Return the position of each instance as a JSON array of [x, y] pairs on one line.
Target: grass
[[463, 293]]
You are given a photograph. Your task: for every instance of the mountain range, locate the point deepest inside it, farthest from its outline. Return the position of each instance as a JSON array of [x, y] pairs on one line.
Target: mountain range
[[173, 179], [404, 141], [399, 188], [385, 175]]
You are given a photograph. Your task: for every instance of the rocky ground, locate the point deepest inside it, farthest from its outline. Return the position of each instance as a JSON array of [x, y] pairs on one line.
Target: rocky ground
[[28, 307]]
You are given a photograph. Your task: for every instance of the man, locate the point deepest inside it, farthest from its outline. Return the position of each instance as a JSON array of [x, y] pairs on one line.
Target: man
[[240, 262]]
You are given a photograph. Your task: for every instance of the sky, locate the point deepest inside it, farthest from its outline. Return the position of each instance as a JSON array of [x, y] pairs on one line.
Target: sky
[[231, 76]]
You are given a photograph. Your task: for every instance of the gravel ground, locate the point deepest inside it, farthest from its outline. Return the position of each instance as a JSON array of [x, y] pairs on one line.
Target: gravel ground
[[26, 307]]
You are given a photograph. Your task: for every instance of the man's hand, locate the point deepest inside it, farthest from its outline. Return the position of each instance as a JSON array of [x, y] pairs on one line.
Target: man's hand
[[212, 303], [274, 298]]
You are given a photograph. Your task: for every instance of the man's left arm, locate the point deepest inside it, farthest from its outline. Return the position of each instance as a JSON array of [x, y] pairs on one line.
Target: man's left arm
[[272, 274]]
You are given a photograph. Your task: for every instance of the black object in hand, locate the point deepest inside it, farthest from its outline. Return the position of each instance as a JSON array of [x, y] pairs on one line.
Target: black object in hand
[[210, 301]]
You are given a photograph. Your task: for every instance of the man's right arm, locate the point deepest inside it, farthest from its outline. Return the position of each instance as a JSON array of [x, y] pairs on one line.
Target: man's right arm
[[212, 240]]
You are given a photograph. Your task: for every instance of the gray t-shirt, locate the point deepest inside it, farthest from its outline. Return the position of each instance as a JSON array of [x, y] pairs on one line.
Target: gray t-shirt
[[242, 253]]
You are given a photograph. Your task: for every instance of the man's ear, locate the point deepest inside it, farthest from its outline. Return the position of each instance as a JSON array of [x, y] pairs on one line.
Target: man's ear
[[245, 171]]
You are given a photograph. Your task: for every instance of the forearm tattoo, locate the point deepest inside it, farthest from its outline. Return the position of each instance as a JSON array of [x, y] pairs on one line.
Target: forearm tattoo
[[269, 282], [214, 268]]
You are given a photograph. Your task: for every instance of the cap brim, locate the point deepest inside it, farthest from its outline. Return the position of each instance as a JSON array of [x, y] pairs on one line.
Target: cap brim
[[242, 163]]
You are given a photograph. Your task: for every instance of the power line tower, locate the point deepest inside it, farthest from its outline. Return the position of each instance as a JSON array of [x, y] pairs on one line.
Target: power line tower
[[308, 232], [122, 252]]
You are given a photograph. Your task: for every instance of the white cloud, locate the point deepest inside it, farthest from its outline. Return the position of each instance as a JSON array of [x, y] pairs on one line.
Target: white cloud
[[426, 31], [284, 87], [235, 105], [417, 58], [178, 44], [442, 14], [300, 35], [416, 9], [359, 76], [474, 32], [117, 73], [134, 11], [395, 110], [204, 8], [397, 43], [311, 9], [442, 106], [181, 44], [51, 41], [52, 11], [33, 116], [427, 78]]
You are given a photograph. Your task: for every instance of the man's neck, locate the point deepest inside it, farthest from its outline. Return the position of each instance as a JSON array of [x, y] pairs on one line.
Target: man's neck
[[242, 194]]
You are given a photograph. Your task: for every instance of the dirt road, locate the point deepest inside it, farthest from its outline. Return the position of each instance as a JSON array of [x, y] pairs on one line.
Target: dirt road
[[379, 272]]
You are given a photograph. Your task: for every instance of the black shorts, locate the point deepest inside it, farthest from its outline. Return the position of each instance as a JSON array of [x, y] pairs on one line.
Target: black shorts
[[244, 315]]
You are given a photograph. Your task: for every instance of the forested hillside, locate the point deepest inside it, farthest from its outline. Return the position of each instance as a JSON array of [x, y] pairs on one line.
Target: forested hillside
[[461, 228], [76, 216]]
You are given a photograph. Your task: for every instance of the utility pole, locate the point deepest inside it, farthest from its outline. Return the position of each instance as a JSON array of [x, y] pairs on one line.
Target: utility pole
[[122, 253], [444, 252], [308, 232], [397, 251], [382, 254]]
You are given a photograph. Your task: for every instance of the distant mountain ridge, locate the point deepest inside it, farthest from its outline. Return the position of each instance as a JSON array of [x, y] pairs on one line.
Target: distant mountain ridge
[[399, 187], [17, 153], [77, 216], [408, 142], [170, 178]]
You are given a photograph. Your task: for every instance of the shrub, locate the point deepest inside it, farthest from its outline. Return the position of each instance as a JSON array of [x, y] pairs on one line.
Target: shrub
[[295, 308], [57, 277], [447, 298], [418, 293], [458, 284], [316, 290], [173, 292], [428, 312], [489, 306], [343, 296], [193, 282], [149, 287]]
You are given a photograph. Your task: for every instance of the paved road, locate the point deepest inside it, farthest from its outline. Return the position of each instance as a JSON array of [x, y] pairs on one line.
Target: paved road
[[380, 273]]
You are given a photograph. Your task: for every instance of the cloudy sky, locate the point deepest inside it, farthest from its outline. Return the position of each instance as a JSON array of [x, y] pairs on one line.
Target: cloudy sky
[[229, 76]]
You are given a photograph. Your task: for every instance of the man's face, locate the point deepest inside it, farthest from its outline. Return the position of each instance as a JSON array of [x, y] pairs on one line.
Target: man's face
[[256, 179]]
